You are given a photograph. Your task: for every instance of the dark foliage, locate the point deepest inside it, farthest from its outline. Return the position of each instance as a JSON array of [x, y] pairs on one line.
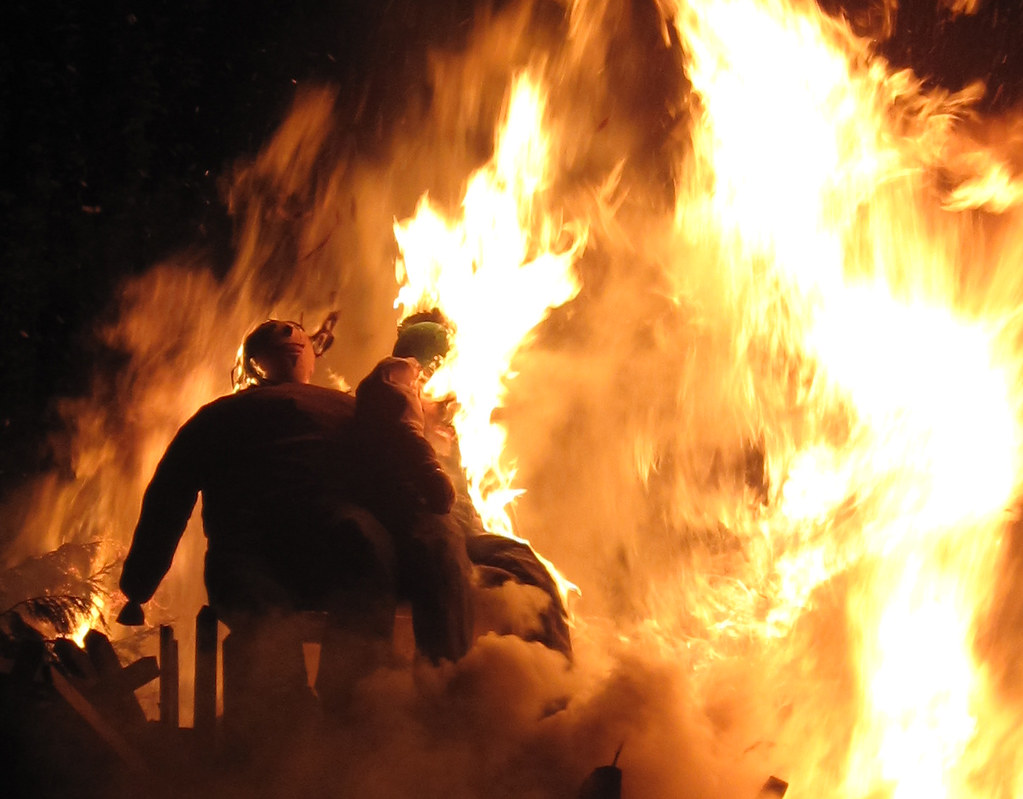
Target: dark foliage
[[63, 612], [54, 592]]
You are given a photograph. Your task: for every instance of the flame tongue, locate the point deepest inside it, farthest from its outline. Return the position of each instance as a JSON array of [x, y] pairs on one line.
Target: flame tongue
[[495, 272]]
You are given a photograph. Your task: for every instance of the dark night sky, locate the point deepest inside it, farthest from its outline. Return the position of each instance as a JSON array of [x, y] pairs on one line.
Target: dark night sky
[[119, 118]]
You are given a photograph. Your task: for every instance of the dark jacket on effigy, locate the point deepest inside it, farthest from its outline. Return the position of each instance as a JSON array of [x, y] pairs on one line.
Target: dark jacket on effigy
[[391, 411], [274, 466], [401, 475]]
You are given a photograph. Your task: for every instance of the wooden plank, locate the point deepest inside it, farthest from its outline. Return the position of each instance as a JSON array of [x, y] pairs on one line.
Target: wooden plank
[[205, 718], [75, 662], [113, 692], [28, 658], [94, 718], [234, 666], [101, 653], [168, 677], [142, 671]]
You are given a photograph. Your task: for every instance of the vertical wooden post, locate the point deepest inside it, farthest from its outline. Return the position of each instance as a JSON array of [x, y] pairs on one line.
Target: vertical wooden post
[[168, 677], [774, 788], [236, 668], [205, 719], [604, 782], [114, 693]]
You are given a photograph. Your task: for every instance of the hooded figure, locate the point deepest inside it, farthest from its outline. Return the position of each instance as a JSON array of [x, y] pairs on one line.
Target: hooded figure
[[433, 568], [393, 389]]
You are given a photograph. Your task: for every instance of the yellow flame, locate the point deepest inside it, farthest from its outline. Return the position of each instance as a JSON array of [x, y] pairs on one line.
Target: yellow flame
[[996, 189], [88, 620], [495, 271]]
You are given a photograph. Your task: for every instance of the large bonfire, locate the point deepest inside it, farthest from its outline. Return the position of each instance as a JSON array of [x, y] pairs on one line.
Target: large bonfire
[[737, 348]]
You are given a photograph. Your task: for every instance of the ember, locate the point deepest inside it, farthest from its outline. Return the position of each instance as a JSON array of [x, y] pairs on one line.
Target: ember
[[735, 345]]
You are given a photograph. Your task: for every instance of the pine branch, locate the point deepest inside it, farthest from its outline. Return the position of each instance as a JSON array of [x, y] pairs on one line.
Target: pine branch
[[63, 612]]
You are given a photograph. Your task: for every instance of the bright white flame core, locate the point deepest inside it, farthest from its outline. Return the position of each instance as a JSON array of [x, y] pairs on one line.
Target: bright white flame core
[[930, 403], [909, 444]]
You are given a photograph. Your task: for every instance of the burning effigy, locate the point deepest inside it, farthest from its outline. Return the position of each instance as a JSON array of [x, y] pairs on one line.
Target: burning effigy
[[734, 349]]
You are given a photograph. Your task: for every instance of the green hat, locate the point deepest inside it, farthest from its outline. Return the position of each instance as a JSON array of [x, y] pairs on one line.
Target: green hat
[[427, 342]]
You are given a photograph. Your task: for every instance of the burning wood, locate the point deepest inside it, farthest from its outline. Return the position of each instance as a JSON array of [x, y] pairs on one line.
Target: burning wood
[[98, 688], [96, 673]]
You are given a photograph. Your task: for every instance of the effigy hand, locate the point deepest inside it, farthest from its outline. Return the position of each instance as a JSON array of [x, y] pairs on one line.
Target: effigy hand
[[131, 615]]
